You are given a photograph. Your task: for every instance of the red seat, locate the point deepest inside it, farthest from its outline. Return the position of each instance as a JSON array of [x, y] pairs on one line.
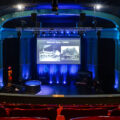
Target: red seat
[[115, 112], [11, 118], [44, 112], [72, 113], [2, 112], [97, 118]]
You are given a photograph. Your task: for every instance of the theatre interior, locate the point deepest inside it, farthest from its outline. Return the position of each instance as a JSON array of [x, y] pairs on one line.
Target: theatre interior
[[59, 60]]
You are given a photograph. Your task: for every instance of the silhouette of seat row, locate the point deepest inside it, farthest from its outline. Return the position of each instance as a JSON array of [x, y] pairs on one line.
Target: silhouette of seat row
[[50, 111], [12, 118], [28, 106], [97, 118], [2, 111], [72, 113], [44, 112]]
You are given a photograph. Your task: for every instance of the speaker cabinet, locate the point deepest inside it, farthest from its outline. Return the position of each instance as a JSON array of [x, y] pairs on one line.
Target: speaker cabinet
[[34, 18], [82, 17]]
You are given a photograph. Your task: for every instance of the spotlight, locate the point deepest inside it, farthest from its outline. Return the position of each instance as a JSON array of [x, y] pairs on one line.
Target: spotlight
[[97, 6], [68, 32], [74, 32], [50, 82], [20, 6], [64, 82], [62, 32], [57, 82], [54, 5], [3, 19]]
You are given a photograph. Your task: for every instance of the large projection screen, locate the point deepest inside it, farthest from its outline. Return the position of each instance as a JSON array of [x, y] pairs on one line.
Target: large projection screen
[[58, 51]]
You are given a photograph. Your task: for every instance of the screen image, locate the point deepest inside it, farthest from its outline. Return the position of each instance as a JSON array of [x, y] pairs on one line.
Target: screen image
[[58, 51]]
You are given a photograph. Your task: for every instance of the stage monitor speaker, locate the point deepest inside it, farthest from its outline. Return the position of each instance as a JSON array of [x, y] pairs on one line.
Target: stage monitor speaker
[[11, 59]]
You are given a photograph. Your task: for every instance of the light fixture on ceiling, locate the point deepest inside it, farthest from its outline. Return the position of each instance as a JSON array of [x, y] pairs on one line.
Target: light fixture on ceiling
[[20, 6], [97, 6]]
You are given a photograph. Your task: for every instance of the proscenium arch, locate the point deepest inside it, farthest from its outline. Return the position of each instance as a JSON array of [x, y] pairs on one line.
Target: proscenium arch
[[107, 16]]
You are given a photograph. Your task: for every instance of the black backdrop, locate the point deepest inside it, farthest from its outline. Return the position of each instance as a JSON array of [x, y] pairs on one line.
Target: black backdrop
[[106, 64], [106, 61], [11, 58]]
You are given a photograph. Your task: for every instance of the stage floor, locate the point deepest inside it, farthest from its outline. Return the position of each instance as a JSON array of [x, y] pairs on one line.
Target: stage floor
[[65, 90]]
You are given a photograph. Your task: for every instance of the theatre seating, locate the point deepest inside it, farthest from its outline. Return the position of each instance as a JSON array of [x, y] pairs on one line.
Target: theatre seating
[[67, 112], [72, 113], [2, 111], [97, 118], [43, 112], [115, 112], [12, 118]]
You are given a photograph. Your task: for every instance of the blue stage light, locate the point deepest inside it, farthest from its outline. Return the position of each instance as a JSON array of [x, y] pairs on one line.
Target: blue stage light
[[57, 79], [63, 69], [42, 69], [116, 79], [74, 32], [68, 32], [62, 32], [91, 68], [64, 82], [25, 71], [51, 82], [57, 82], [1, 78], [84, 34], [64, 79], [53, 69], [73, 69]]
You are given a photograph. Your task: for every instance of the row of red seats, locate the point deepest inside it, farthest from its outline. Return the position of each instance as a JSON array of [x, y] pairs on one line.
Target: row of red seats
[[30, 106], [97, 118], [81, 118], [20, 118], [50, 111]]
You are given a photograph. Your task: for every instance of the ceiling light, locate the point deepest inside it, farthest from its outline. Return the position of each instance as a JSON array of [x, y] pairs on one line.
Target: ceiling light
[[20, 6], [97, 6], [3, 19]]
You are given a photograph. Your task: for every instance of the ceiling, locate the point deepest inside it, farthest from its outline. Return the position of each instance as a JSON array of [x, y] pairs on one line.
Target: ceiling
[[109, 6], [106, 2]]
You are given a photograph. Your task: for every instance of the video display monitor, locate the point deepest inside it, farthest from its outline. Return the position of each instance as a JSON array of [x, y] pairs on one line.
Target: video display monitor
[[58, 51]]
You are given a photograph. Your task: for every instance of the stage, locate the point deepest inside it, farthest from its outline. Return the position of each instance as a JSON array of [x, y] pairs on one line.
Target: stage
[[66, 57], [64, 90]]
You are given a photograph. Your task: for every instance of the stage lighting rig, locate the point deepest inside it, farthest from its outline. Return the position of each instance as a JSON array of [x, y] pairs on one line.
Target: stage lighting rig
[[54, 5]]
